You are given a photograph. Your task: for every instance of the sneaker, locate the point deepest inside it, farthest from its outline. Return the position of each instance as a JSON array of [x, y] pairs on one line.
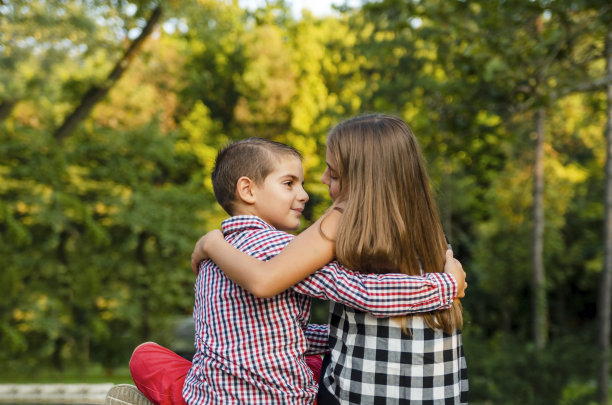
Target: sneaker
[[125, 394]]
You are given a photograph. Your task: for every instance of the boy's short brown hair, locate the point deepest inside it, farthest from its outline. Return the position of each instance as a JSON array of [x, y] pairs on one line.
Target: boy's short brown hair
[[254, 158]]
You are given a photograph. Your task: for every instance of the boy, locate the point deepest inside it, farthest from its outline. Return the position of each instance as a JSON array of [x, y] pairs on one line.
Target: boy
[[251, 350]]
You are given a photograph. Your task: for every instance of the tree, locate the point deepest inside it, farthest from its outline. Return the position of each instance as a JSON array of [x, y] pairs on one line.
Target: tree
[[540, 303], [97, 92], [605, 292], [539, 306], [37, 39]]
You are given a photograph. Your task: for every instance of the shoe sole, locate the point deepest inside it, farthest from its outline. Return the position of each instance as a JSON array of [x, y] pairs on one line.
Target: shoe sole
[[125, 394]]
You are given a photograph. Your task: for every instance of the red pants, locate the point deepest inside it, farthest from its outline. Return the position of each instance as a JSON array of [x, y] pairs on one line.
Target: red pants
[[159, 373]]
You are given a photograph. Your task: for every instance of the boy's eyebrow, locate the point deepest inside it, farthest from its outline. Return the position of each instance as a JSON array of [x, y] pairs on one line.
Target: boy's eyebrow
[[291, 176]]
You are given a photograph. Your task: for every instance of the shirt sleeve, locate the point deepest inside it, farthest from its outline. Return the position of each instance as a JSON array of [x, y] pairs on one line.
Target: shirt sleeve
[[383, 295], [317, 339]]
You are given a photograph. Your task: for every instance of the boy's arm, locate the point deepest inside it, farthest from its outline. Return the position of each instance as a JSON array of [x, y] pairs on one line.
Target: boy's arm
[[382, 295], [317, 339]]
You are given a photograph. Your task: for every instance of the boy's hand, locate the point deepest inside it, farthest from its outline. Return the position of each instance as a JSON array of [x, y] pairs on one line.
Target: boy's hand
[[453, 267], [199, 250]]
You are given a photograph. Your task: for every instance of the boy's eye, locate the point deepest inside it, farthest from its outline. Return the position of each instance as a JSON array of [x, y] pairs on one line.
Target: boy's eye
[[288, 183]]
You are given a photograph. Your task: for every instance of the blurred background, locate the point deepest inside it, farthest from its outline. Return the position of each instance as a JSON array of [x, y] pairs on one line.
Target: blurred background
[[111, 113]]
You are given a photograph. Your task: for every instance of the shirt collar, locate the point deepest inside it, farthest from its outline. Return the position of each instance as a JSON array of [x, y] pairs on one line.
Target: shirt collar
[[241, 223]]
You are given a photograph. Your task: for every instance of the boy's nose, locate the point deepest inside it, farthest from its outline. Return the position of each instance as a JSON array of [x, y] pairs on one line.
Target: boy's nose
[[303, 196]]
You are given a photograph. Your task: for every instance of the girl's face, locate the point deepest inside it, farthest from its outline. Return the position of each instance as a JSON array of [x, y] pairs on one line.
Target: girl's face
[[330, 176]]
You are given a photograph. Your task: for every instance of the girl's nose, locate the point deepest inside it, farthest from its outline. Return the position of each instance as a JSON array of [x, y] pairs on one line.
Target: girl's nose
[[325, 177]]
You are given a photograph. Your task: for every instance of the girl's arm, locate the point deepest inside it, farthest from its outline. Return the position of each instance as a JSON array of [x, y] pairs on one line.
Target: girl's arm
[[308, 252]]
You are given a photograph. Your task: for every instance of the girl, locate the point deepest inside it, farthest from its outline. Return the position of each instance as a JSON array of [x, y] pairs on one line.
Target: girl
[[383, 220]]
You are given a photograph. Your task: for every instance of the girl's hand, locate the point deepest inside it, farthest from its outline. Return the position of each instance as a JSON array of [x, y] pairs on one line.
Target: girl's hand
[[454, 268], [200, 248]]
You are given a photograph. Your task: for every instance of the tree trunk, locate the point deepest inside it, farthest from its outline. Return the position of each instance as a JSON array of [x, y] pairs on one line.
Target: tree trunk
[[447, 213], [97, 93], [605, 292], [540, 318]]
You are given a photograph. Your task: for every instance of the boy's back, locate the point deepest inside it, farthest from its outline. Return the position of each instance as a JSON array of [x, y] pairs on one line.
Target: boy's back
[[250, 349]]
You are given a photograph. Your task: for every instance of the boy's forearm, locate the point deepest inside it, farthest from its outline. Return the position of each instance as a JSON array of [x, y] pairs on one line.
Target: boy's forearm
[[382, 295]]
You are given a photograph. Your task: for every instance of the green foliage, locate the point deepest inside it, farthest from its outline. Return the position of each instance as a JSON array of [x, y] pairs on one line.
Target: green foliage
[[503, 369], [97, 241]]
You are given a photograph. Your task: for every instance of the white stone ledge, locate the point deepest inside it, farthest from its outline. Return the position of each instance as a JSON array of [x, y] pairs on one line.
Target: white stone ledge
[[54, 393]]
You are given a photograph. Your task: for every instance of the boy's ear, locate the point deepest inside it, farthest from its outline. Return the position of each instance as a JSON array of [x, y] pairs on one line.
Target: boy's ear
[[245, 190]]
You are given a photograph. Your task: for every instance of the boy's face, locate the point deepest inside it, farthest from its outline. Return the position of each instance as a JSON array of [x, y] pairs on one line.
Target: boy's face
[[281, 198]]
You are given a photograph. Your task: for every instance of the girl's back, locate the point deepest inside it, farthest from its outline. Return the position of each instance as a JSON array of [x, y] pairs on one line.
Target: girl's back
[[376, 362], [390, 224]]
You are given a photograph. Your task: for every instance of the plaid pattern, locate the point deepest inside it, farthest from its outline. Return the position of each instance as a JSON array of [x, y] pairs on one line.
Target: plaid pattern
[[381, 295], [251, 350], [374, 362]]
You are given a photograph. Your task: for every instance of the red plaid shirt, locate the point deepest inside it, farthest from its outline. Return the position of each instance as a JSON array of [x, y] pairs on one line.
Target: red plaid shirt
[[251, 350]]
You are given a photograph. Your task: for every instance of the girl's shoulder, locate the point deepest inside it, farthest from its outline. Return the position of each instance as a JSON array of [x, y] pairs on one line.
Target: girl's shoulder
[[330, 221]]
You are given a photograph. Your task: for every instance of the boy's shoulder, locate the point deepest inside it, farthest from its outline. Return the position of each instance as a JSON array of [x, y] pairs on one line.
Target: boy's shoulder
[[254, 236]]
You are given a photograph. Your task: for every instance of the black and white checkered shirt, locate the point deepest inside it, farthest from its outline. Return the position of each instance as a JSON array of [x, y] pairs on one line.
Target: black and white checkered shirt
[[374, 362]]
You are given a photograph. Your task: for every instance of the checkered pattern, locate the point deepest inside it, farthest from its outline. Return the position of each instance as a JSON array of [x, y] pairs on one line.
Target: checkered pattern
[[374, 362], [381, 295], [251, 350]]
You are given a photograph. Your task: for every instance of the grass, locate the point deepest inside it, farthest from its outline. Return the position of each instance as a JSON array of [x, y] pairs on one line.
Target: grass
[[93, 375]]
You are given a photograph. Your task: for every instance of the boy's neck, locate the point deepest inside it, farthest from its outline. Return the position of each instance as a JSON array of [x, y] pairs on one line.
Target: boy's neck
[[242, 209]]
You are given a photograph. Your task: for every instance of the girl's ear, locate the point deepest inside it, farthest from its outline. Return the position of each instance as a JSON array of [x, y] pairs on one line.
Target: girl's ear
[[245, 190]]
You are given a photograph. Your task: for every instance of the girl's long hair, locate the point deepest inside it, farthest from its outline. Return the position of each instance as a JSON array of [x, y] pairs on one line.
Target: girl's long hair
[[390, 221]]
